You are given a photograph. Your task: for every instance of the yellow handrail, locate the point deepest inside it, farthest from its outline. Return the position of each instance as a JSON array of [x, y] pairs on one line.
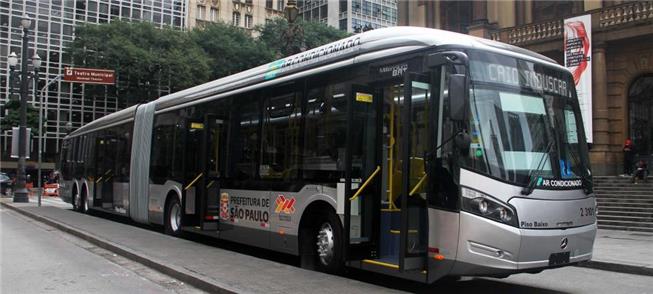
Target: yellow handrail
[[367, 182], [193, 182], [418, 185]]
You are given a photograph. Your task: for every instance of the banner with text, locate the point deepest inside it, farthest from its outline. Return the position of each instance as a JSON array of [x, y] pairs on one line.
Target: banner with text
[[578, 59]]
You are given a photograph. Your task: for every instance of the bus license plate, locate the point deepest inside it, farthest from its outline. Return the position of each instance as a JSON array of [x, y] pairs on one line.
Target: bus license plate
[[558, 258]]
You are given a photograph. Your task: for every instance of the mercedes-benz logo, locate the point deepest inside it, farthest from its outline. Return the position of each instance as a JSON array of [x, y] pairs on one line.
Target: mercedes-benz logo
[[563, 243]]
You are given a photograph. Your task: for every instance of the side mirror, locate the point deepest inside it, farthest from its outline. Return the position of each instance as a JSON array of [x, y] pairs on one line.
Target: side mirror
[[457, 96], [462, 142]]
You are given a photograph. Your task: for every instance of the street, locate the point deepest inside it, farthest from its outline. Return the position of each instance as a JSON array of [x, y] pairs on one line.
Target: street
[[36, 258], [564, 280]]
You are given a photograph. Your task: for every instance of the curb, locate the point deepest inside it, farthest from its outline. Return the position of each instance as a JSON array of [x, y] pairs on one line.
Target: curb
[[618, 267], [185, 276]]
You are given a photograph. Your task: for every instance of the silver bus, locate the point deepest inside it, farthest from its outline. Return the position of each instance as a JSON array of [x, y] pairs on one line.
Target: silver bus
[[411, 152]]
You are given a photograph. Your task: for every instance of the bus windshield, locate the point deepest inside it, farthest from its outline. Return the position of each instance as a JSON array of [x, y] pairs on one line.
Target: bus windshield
[[525, 121]]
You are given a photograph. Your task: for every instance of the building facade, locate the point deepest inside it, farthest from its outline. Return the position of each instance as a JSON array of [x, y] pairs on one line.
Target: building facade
[[53, 29], [622, 57], [241, 13], [351, 15]]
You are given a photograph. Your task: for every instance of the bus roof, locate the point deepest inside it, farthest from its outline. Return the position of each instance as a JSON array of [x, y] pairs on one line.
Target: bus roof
[[393, 40]]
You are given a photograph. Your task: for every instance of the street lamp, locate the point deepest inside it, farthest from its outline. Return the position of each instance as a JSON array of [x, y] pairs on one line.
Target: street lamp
[[20, 191], [291, 11], [40, 150], [294, 36]]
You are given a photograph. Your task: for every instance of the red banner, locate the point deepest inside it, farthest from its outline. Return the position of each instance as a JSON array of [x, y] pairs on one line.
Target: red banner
[[89, 76]]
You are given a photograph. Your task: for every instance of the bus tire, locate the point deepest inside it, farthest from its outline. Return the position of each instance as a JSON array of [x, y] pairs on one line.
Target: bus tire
[[173, 215], [83, 205], [76, 201], [328, 243]]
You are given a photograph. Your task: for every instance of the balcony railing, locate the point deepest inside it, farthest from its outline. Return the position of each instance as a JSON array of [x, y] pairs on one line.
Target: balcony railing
[[626, 13], [609, 17], [530, 32]]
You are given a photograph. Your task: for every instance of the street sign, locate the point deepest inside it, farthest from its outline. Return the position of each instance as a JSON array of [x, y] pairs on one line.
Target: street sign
[[89, 76]]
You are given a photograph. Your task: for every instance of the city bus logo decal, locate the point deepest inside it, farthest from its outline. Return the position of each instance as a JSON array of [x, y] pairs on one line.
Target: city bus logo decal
[[285, 205], [224, 206]]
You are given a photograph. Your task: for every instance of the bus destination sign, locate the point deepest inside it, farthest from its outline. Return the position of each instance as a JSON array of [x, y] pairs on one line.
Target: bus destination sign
[[89, 76]]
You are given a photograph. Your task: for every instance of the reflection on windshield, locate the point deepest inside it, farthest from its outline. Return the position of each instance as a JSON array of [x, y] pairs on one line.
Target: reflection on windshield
[[510, 134]]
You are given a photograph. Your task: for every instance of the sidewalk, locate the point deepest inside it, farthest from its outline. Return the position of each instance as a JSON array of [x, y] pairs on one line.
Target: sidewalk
[[623, 251], [209, 268]]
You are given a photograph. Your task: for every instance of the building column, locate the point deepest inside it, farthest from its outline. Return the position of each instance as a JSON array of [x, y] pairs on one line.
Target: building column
[[479, 26], [603, 161]]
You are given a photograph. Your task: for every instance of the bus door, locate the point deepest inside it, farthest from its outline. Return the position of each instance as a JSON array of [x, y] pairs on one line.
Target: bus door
[[362, 174], [403, 140], [213, 149], [415, 143], [201, 165]]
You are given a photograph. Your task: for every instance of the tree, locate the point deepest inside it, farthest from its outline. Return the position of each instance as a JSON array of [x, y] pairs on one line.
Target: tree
[[149, 61], [12, 119], [314, 34], [230, 48]]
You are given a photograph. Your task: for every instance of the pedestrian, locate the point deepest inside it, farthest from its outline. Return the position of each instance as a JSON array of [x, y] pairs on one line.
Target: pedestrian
[[641, 172], [629, 152]]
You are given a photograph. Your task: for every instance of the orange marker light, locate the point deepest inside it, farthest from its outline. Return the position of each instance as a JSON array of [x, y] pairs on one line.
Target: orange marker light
[[438, 257]]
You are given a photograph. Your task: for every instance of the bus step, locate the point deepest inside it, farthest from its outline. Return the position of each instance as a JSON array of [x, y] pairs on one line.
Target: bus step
[[382, 262]]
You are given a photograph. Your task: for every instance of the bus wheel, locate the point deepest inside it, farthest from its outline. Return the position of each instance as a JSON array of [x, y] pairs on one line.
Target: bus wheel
[[83, 205], [328, 241], [76, 200], [173, 217]]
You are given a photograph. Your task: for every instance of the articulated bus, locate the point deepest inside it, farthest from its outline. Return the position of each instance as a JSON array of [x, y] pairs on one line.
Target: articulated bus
[[411, 152]]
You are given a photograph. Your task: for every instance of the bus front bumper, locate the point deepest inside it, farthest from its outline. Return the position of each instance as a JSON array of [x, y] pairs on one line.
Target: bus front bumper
[[486, 247]]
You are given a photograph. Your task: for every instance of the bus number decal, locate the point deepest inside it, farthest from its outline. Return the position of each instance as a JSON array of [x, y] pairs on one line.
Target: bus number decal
[[586, 211]]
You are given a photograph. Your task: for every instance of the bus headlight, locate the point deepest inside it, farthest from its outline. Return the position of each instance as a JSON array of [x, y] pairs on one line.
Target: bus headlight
[[486, 206]]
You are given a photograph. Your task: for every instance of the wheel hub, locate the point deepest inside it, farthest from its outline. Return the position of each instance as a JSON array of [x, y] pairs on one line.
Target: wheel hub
[[325, 243]]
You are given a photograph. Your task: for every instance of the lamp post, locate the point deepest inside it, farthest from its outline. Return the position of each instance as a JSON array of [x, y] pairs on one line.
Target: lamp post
[[20, 191], [57, 78], [294, 32]]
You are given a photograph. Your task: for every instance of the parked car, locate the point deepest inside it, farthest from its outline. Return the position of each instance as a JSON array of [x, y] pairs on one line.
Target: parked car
[[5, 182]]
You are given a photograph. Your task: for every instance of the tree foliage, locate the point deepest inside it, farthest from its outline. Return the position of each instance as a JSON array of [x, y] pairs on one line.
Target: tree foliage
[[12, 119], [147, 59], [144, 57], [314, 34], [231, 49]]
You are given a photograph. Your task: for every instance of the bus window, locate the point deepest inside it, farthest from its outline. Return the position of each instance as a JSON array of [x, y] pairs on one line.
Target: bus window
[[324, 134], [244, 140], [166, 147], [281, 125]]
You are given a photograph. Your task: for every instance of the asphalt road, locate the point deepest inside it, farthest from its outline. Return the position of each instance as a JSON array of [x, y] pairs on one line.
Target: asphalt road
[[35, 258], [563, 280]]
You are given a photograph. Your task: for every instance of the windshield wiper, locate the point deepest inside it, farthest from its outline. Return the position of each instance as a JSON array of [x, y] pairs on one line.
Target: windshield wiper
[[534, 173]]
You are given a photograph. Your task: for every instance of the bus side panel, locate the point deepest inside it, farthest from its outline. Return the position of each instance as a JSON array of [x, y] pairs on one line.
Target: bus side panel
[[443, 240], [157, 201], [247, 219], [287, 210], [66, 190]]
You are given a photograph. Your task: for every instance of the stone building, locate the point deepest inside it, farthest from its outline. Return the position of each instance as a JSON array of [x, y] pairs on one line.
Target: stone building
[[622, 57], [241, 13]]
